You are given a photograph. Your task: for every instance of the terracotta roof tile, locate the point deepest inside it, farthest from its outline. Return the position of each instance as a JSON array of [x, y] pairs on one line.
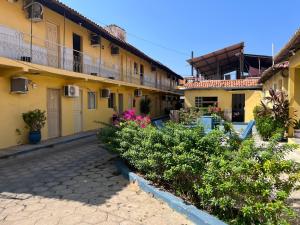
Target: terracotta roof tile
[[243, 83]]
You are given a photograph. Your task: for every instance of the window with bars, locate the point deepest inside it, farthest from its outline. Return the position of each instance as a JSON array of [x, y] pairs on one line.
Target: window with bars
[[204, 102], [92, 100]]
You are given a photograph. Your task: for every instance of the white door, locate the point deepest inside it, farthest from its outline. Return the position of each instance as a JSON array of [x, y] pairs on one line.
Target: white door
[[52, 44], [53, 113], [77, 113]]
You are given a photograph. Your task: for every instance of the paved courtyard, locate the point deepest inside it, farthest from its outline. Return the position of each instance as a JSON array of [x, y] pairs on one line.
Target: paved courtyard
[[75, 183]]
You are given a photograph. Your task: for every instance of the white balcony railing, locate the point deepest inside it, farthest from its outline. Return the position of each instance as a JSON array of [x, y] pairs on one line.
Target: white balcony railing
[[16, 45]]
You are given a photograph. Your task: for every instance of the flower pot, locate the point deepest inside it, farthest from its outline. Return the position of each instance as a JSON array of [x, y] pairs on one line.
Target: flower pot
[[297, 133], [34, 137]]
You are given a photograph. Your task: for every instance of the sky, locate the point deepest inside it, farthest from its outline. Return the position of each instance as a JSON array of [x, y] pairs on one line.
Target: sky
[[169, 30]]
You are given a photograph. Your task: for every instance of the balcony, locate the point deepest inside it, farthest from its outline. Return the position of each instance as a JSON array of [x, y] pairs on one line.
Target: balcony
[[16, 45]]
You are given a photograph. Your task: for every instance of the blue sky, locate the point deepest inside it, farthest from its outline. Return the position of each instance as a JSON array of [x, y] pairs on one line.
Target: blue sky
[[180, 26]]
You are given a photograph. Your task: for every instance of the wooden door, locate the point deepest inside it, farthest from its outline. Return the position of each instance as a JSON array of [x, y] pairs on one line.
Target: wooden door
[[53, 113], [121, 103], [52, 45], [77, 113], [238, 107]]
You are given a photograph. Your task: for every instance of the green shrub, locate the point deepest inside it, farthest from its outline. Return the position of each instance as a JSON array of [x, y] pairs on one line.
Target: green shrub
[[107, 136], [238, 182], [245, 186], [35, 120], [265, 123]]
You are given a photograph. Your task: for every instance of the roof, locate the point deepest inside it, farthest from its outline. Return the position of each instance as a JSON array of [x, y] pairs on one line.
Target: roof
[[226, 58], [224, 84], [267, 74], [281, 58], [292, 45], [229, 60], [78, 18]]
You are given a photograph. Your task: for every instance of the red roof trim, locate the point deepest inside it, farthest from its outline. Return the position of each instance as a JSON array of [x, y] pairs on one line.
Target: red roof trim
[[219, 84]]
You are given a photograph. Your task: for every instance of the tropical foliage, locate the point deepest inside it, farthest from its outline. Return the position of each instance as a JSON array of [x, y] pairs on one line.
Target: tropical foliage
[[273, 114], [238, 182], [35, 120]]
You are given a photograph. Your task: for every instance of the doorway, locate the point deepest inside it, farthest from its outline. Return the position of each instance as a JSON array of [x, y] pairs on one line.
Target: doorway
[[142, 74], [52, 45], [77, 55], [77, 113], [121, 103], [53, 113], [238, 107]]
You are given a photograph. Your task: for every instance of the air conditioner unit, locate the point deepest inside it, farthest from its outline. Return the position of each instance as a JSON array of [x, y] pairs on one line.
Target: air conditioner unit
[[19, 85], [115, 50], [71, 91], [105, 93], [138, 93], [34, 9], [95, 40]]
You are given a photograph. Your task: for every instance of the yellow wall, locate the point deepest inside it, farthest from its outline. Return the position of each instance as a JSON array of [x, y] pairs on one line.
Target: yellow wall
[[252, 99], [13, 105], [19, 22], [277, 80]]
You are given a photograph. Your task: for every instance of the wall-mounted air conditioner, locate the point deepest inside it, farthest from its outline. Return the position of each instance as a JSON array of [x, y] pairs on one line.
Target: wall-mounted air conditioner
[[19, 85], [115, 50], [138, 93], [105, 93], [34, 10], [95, 40], [71, 91]]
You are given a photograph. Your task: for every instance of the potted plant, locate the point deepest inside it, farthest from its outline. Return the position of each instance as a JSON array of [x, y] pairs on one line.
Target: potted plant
[[297, 128], [35, 121]]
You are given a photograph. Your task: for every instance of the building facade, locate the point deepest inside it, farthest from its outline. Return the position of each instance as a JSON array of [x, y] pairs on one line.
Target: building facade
[[54, 59], [228, 79], [285, 75]]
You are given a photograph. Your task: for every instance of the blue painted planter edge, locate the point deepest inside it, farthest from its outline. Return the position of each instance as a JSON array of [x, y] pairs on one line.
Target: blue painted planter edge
[[197, 216]]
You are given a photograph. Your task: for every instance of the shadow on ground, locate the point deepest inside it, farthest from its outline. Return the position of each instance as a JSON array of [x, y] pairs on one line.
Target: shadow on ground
[[76, 171]]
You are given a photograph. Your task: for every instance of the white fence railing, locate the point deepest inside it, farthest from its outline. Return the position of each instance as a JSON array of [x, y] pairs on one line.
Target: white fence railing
[[16, 45]]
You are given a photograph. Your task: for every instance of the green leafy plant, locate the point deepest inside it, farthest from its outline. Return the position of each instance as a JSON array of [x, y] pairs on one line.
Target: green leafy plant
[[239, 182], [246, 186], [145, 106], [190, 115], [35, 120], [277, 105]]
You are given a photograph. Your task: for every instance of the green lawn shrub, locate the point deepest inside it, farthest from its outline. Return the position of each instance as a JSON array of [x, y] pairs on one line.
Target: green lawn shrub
[[237, 181]]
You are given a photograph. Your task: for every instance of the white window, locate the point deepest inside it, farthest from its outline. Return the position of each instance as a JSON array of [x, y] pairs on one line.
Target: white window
[[92, 100], [204, 102]]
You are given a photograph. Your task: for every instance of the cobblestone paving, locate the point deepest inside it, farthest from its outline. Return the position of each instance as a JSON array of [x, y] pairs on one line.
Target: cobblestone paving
[[75, 183]]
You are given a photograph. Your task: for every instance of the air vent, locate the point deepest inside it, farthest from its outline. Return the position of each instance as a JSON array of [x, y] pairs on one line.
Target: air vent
[[19, 85], [105, 93], [34, 9], [71, 91], [138, 93], [115, 50], [95, 40]]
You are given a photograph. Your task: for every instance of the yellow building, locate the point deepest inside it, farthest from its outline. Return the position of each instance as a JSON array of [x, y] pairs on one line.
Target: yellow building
[[55, 59], [237, 98], [227, 78], [285, 75]]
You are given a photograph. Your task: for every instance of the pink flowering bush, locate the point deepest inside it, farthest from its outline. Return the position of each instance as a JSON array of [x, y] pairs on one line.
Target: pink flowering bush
[[130, 115]]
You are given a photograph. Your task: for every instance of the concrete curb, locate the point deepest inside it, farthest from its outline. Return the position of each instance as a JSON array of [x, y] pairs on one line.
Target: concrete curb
[[33, 148], [191, 212]]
